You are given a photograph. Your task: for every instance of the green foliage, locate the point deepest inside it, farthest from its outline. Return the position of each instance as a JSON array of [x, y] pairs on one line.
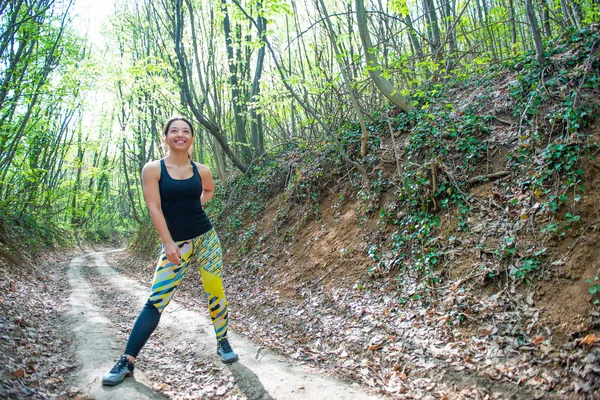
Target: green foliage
[[243, 199], [436, 132], [24, 236], [594, 289], [528, 265], [554, 160], [440, 136]]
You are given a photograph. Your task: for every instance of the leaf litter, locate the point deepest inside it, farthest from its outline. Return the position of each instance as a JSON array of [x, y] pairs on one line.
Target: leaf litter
[[35, 344], [452, 344]]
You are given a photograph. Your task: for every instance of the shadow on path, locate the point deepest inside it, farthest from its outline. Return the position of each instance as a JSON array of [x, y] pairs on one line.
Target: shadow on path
[[248, 382]]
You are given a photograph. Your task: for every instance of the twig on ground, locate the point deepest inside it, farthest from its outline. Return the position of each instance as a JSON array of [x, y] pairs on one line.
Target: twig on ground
[[455, 286], [31, 390], [453, 181], [398, 169], [580, 236], [509, 123], [494, 175]]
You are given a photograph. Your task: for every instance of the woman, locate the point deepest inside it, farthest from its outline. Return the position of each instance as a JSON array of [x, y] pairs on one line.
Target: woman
[[174, 190]]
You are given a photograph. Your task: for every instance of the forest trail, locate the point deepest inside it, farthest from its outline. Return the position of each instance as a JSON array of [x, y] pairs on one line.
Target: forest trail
[[259, 374]]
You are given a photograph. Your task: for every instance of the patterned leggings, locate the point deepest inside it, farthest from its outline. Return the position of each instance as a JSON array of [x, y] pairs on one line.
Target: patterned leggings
[[205, 250]]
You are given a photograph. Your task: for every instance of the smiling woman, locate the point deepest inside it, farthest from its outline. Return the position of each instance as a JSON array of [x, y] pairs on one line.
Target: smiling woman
[[175, 188], [179, 132]]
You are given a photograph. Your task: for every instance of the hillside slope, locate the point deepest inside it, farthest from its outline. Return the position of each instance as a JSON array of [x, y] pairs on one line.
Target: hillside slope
[[464, 267]]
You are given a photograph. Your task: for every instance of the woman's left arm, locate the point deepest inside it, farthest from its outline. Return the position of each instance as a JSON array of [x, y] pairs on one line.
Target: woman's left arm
[[208, 187]]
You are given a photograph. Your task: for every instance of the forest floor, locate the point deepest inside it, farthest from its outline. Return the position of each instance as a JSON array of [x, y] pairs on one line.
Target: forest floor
[[63, 327], [62, 331], [310, 321]]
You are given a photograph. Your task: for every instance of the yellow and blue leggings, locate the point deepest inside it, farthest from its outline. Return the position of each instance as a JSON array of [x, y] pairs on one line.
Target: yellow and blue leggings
[[205, 251]]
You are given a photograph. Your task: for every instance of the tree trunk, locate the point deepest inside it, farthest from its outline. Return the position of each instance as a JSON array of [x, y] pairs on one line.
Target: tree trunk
[[513, 28], [451, 32], [576, 10], [382, 84], [75, 214], [535, 30], [415, 43], [236, 100], [219, 162], [566, 11], [546, 18], [433, 28], [136, 216], [256, 125], [349, 88]]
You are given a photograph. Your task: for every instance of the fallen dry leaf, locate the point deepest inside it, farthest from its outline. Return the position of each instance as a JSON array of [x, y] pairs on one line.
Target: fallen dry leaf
[[538, 340], [18, 373], [590, 339]]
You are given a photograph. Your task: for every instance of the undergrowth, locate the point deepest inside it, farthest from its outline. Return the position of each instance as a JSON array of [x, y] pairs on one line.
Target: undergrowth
[[552, 109], [448, 145], [22, 237]]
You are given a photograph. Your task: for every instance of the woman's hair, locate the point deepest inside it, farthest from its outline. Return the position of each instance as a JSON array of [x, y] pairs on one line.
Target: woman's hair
[[177, 118]]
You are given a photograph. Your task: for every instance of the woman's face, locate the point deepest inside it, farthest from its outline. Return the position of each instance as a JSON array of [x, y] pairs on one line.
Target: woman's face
[[179, 136]]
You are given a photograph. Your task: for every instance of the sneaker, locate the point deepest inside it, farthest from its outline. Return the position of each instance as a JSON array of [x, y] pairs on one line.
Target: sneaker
[[122, 369], [224, 350]]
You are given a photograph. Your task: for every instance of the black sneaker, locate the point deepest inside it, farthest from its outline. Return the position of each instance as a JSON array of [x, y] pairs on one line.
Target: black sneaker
[[122, 369], [224, 350]]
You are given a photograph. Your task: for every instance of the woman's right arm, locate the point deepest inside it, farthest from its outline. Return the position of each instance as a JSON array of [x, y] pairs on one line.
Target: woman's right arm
[[150, 177]]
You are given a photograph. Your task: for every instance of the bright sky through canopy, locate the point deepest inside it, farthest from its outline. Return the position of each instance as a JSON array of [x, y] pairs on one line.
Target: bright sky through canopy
[[89, 17]]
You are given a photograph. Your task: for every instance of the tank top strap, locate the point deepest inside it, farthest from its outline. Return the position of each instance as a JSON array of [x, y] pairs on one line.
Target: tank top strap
[[194, 167], [163, 170]]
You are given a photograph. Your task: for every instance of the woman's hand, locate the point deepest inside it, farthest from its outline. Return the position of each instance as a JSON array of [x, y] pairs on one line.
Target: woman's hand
[[173, 253]]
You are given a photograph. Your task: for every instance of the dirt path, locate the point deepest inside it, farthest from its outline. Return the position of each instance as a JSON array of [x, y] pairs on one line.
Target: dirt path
[[99, 295]]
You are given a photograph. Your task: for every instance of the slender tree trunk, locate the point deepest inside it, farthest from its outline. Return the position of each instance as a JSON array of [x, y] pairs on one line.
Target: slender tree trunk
[[576, 10], [382, 84], [75, 214], [349, 88], [432, 27], [567, 16], [415, 43], [256, 123], [535, 30], [451, 32], [136, 216], [236, 100], [513, 28], [350, 23], [219, 162], [546, 18]]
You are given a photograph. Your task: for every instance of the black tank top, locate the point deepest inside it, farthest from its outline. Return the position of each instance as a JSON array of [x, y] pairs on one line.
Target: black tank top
[[180, 203]]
